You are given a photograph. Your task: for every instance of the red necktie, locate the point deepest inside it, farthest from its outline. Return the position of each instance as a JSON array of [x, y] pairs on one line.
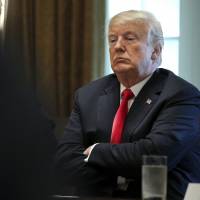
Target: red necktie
[[120, 116]]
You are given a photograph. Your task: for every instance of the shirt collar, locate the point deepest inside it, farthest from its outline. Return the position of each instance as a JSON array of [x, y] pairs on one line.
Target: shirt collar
[[137, 87]]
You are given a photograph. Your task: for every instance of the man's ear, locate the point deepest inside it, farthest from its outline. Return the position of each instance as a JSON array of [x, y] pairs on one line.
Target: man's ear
[[156, 52]]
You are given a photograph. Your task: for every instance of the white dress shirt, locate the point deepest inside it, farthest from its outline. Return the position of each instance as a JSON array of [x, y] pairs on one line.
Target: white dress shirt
[[135, 89]]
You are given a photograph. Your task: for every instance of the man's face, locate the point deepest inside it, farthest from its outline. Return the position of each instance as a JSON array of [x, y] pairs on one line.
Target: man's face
[[130, 51]]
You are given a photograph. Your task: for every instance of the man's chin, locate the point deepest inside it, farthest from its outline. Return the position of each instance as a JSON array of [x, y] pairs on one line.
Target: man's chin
[[121, 69]]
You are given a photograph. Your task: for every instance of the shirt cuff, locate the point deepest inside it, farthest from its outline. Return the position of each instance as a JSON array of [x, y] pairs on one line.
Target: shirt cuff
[[92, 147]]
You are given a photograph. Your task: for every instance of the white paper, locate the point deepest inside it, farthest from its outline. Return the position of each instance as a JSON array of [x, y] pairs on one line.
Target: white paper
[[192, 192]]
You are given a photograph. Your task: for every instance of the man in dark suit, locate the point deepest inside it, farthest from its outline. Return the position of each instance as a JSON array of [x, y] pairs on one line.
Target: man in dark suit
[[163, 118]]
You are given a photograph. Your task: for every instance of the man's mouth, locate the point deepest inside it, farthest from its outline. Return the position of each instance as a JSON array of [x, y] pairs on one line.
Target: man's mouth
[[121, 60]]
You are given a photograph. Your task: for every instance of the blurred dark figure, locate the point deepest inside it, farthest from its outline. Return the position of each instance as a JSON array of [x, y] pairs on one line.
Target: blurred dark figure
[[27, 139]]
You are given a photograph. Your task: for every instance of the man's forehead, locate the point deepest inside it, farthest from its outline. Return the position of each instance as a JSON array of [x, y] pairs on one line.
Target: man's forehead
[[131, 26]]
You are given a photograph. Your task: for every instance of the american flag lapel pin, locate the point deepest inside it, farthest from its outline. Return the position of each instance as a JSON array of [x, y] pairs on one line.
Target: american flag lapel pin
[[148, 101]]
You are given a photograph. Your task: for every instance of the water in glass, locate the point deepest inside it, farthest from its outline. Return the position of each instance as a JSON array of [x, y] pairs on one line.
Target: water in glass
[[154, 180]]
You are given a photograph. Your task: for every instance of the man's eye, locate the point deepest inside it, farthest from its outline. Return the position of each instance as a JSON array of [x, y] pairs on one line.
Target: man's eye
[[112, 40], [130, 38]]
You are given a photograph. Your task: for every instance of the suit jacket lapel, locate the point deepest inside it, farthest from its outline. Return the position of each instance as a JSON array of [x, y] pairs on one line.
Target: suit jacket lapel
[[107, 106], [143, 103]]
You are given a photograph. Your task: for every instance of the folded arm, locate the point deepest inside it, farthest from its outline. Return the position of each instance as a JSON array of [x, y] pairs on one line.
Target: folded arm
[[70, 165], [174, 131]]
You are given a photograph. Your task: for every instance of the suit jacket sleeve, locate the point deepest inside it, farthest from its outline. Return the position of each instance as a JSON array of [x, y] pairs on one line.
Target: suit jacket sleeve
[[70, 165], [174, 131]]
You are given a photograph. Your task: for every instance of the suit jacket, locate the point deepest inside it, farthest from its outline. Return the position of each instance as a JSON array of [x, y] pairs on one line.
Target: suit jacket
[[168, 125]]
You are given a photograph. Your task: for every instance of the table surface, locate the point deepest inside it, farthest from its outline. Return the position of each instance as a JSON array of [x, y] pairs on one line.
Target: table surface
[[61, 197]]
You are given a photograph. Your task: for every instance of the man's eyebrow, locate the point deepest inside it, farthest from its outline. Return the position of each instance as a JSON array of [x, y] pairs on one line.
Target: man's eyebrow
[[111, 34], [125, 33], [130, 33]]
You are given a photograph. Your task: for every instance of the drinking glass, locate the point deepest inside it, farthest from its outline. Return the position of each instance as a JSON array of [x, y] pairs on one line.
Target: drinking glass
[[154, 177]]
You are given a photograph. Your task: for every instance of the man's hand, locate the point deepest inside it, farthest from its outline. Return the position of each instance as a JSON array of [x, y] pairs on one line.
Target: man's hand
[[88, 150]]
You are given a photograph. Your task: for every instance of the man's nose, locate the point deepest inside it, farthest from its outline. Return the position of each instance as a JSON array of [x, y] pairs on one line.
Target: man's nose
[[119, 45]]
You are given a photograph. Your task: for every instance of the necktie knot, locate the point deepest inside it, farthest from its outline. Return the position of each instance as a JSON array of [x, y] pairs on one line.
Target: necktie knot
[[127, 94]]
